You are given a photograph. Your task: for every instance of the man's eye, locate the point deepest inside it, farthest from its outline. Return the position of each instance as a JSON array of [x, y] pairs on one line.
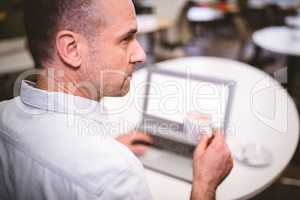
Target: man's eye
[[128, 39], [124, 41]]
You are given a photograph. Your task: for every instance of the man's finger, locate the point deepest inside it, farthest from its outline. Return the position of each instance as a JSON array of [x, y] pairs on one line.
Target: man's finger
[[202, 146], [138, 136], [217, 131], [204, 142], [138, 149], [218, 136]]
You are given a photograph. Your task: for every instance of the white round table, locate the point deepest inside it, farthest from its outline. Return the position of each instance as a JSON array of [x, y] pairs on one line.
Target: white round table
[[281, 40], [151, 23], [262, 112], [286, 41], [284, 4], [293, 21], [204, 14], [204, 1], [147, 23], [201, 18], [258, 4]]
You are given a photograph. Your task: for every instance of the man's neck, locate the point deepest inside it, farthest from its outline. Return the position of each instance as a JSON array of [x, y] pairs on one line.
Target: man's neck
[[53, 81]]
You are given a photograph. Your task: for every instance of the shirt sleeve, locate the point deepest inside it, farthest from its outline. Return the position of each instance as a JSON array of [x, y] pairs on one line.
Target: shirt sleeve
[[127, 185]]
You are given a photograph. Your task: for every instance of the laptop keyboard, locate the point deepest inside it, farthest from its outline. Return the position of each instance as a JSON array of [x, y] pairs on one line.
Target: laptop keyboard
[[162, 132], [176, 147]]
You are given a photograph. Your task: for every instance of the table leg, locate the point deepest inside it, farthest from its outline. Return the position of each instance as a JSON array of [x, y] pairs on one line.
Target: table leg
[[293, 63], [256, 56]]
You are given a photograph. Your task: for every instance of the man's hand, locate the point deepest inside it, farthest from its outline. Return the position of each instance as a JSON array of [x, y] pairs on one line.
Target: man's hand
[[136, 141], [212, 162]]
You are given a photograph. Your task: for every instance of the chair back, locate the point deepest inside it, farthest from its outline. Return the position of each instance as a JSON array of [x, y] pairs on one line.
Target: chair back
[[168, 9]]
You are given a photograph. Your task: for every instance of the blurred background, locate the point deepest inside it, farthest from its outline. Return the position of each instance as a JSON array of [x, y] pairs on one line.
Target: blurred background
[[262, 33]]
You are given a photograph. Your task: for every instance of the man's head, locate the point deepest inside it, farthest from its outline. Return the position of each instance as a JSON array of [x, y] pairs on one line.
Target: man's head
[[92, 41]]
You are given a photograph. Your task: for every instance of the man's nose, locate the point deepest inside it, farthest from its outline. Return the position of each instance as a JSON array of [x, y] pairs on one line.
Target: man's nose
[[139, 55]]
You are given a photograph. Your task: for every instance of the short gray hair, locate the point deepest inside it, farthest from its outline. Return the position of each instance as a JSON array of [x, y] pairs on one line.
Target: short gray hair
[[45, 18]]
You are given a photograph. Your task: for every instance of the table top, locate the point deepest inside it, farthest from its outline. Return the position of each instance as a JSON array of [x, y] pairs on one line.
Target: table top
[[14, 57], [284, 4], [293, 21], [151, 23], [205, 1], [281, 40], [262, 112], [204, 14]]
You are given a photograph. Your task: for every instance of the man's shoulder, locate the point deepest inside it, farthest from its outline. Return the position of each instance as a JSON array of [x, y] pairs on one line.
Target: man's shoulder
[[73, 147], [5, 103], [86, 157], [90, 166], [93, 168]]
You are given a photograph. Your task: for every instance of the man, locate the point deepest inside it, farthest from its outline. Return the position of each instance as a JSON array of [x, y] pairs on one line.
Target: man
[[52, 143]]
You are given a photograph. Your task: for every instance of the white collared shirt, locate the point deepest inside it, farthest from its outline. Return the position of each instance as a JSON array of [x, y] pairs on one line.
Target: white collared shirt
[[56, 146]]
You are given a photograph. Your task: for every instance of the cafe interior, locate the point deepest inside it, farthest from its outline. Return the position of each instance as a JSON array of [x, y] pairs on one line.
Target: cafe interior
[[253, 43]]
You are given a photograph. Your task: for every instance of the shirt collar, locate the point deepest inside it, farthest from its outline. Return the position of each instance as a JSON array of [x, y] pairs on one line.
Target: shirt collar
[[60, 102]]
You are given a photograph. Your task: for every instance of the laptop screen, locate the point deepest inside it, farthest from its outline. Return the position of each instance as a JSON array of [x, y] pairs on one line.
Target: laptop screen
[[172, 95]]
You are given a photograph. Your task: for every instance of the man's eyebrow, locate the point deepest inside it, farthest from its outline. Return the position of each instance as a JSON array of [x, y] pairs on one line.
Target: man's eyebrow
[[130, 33]]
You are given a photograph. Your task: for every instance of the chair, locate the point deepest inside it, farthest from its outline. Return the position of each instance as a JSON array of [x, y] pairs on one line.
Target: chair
[[173, 11], [249, 21]]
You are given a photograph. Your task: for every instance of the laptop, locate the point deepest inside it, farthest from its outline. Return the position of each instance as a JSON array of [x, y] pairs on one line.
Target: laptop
[[169, 96]]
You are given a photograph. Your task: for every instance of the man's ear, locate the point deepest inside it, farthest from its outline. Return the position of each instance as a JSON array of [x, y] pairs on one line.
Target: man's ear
[[68, 48]]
